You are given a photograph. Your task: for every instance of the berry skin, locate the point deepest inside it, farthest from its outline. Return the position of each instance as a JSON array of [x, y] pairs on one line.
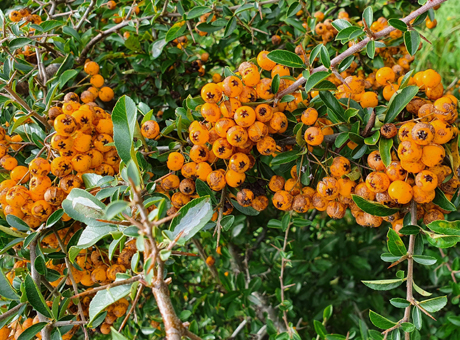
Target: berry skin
[[65, 125], [422, 196], [245, 116], [179, 199], [187, 186], [264, 113], [239, 162], [175, 161], [388, 130], [426, 180], [91, 68], [54, 196], [257, 131], [309, 116], [97, 81], [369, 99], [375, 161], [377, 182], [170, 182], [301, 203], [319, 202], [405, 131], [211, 93], [401, 192], [266, 146], [70, 182], [41, 209], [340, 166], [245, 197], [385, 75], [313, 136], [389, 90], [260, 203], [39, 167], [328, 188], [222, 148], [101, 141], [234, 179], [61, 166], [20, 173], [363, 191], [431, 78], [432, 154], [282, 200], [8, 163], [210, 112], [236, 136], [202, 170], [276, 183], [263, 61], [443, 132], [423, 133], [106, 94], [81, 163], [232, 86]]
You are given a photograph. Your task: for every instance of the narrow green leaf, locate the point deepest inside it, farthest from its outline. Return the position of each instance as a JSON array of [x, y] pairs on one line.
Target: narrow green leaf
[[443, 202], [373, 208], [380, 321], [395, 244], [383, 284], [35, 297], [286, 58], [399, 102], [412, 41]]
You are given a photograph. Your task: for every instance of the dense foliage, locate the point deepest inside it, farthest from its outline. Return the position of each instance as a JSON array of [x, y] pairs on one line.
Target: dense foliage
[[215, 170]]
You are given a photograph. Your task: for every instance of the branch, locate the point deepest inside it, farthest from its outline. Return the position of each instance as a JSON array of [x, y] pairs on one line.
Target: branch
[[410, 266], [21, 102], [10, 312], [83, 18], [203, 256], [133, 306], [360, 45]]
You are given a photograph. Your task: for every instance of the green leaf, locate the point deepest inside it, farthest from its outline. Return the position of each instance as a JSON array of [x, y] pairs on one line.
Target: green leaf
[[124, 116], [287, 98], [72, 32], [320, 329], [420, 290], [105, 298], [383, 284], [412, 41], [333, 104], [400, 303], [405, 80], [442, 241], [293, 9], [341, 24], [17, 223], [373, 139], [325, 59], [275, 83], [54, 218], [89, 237], [385, 146], [399, 102], [373, 208], [368, 16], [230, 28], [286, 58], [157, 48], [198, 11], [6, 290], [116, 335], [249, 211], [425, 260], [434, 305], [84, 207], [285, 157], [395, 244], [417, 318], [370, 49], [410, 230], [451, 228], [314, 79], [19, 43], [443, 202], [398, 24], [202, 189], [327, 312], [115, 208], [175, 31], [66, 76], [380, 321], [227, 222], [35, 297], [191, 219], [30, 332], [407, 327]]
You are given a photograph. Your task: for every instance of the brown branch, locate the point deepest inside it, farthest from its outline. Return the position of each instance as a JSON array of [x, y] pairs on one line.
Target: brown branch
[[204, 256], [370, 124], [133, 306], [83, 18], [360, 45], [21, 102], [410, 266], [12, 311]]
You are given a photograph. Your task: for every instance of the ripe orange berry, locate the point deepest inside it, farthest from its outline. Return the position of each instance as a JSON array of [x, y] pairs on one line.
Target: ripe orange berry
[[97, 80], [20, 173], [8, 163], [385, 75], [263, 61], [39, 167], [431, 78], [369, 99], [41, 209], [15, 16], [222, 148], [106, 94], [276, 183], [211, 93], [91, 68], [202, 170], [232, 86], [423, 133], [65, 125], [389, 90], [175, 161], [234, 179], [400, 191], [432, 154], [101, 141], [236, 136], [239, 162], [314, 136], [340, 166], [328, 188], [245, 116], [309, 116], [266, 146], [282, 200], [377, 182], [150, 129], [264, 113]]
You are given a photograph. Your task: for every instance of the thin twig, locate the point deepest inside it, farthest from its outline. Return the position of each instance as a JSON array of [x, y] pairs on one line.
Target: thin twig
[[133, 306]]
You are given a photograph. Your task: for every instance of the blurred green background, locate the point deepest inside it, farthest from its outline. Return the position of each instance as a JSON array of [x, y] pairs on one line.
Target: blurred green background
[[442, 54]]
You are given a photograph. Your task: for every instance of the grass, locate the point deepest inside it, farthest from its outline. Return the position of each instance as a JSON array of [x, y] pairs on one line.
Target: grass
[[443, 55]]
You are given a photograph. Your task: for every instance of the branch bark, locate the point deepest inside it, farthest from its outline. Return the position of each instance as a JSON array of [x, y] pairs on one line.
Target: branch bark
[[410, 267], [360, 45]]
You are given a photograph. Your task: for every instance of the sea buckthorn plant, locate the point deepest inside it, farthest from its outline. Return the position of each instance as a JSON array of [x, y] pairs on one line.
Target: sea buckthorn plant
[[227, 170]]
